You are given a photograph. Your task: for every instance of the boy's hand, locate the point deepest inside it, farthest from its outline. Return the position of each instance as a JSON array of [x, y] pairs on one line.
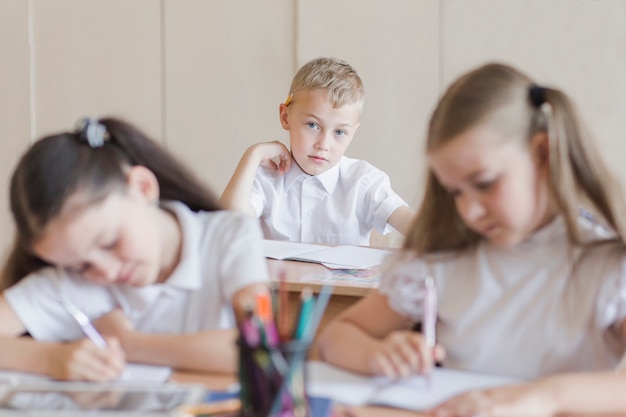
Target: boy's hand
[[525, 400], [84, 361], [402, 353], [273, 155]]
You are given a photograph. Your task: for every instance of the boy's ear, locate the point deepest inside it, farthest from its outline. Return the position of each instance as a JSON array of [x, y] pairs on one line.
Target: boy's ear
[[284, 116], [143, 182]]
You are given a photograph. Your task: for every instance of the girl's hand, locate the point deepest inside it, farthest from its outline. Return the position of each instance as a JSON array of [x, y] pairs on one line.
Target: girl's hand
[[84, 361], [273, 155], [115, 324], [526, 400], [402, 353]]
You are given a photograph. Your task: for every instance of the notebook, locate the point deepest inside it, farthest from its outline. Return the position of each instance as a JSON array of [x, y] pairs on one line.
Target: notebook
[[410, 393], [332, 257]]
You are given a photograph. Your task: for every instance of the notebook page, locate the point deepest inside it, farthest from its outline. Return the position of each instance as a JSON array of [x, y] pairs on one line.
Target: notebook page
[[411, 393]]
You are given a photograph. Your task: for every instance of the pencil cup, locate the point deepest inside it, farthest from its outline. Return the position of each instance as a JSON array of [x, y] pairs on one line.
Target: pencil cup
[[273, 380]]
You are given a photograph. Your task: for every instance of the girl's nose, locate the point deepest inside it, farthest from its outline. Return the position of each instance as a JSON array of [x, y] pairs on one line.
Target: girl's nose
[[471, 209], [108, 270]]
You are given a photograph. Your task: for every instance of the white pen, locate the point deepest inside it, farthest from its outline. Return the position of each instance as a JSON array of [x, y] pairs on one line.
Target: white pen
[[83, 321], [429, 316]]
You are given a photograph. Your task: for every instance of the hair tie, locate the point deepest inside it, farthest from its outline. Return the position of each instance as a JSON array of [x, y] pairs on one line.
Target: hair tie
[[537, 95], [91, 131]]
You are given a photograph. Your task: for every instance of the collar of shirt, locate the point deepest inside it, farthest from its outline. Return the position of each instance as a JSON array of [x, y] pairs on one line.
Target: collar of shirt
[[328, 178]]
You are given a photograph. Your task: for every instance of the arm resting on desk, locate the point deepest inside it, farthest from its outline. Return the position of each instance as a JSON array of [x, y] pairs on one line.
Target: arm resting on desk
[[371, 338], [211, 350], [585, 394]]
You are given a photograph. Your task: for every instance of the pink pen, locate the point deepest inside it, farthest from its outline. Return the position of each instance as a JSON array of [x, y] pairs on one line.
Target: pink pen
[[429, 317]]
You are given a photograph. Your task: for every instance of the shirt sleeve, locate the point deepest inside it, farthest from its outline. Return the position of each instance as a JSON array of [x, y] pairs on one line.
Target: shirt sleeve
[[382, 201], [241, 261], [403, 284], [611, 303], [35, 301], [257, 196]]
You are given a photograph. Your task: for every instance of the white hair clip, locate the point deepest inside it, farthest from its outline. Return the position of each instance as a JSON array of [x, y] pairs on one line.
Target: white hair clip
[[92, 131]]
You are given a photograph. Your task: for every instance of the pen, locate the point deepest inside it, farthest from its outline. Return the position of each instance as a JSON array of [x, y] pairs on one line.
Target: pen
[[429, 316], [264, 313], [283, 311], [83, 321], [306, 310]]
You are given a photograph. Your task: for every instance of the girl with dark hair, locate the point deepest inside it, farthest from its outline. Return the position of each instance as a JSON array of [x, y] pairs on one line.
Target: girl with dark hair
[[110, 220]]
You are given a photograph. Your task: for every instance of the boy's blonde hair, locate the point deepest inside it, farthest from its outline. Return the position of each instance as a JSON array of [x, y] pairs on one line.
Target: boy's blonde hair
[[342, 82], [505, 99]]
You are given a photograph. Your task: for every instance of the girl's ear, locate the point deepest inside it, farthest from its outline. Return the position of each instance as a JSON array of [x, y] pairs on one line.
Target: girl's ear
[[540, 147], [284, 116], [143, 182]]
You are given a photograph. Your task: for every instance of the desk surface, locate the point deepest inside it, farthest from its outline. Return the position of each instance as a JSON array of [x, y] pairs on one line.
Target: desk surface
[[221, 382]]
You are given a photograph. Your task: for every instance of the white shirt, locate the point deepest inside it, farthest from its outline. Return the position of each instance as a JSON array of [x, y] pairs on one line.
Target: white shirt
[[339, 206], [543, 307], [221, 254]]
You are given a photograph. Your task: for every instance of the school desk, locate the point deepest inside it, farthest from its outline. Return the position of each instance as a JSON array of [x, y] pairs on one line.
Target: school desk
[[222, 382], [344, 295]]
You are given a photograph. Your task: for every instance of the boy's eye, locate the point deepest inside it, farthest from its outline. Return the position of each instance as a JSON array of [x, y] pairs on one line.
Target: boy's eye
[[312, 125], [339, 132]]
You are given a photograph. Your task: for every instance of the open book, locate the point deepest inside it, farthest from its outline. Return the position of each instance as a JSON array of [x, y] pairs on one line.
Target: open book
[[332, 257], [410, 393]]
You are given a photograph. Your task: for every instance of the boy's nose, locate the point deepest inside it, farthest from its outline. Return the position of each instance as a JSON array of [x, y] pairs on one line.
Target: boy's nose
[[322, 142]]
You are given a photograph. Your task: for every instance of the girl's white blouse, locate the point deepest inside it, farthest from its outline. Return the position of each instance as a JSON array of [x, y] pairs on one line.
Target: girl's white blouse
[[221, 254], [543, 307]]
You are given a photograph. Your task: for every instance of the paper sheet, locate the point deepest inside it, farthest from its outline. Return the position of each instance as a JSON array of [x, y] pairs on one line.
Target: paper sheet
[[411, 393]]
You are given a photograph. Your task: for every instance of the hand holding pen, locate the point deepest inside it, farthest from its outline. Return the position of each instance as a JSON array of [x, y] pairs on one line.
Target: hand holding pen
[[93, 358], [405, 352], [82, 360]]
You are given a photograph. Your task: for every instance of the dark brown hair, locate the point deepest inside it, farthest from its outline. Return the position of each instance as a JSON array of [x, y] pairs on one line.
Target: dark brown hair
[[57, 167]]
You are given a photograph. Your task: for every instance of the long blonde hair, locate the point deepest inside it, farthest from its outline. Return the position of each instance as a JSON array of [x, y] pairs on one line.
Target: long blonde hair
[[506, 99]]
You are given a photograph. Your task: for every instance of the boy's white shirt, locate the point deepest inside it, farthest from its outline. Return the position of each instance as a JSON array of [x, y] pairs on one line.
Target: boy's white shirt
[[543, 307], [222, 253], [340, 206]]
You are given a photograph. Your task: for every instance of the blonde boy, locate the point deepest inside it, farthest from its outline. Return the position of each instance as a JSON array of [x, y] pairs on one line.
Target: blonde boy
[[314, 193]]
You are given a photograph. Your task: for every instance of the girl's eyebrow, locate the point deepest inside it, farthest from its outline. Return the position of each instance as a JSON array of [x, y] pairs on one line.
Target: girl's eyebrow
[[472, 175]]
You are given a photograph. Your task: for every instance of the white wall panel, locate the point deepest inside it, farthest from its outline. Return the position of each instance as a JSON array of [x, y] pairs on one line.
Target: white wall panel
[[576, 45], [14, 102], [97, 57], [228, 65]]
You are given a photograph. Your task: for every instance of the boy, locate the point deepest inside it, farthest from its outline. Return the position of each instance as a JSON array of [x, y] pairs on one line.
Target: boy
[[314, 193]]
